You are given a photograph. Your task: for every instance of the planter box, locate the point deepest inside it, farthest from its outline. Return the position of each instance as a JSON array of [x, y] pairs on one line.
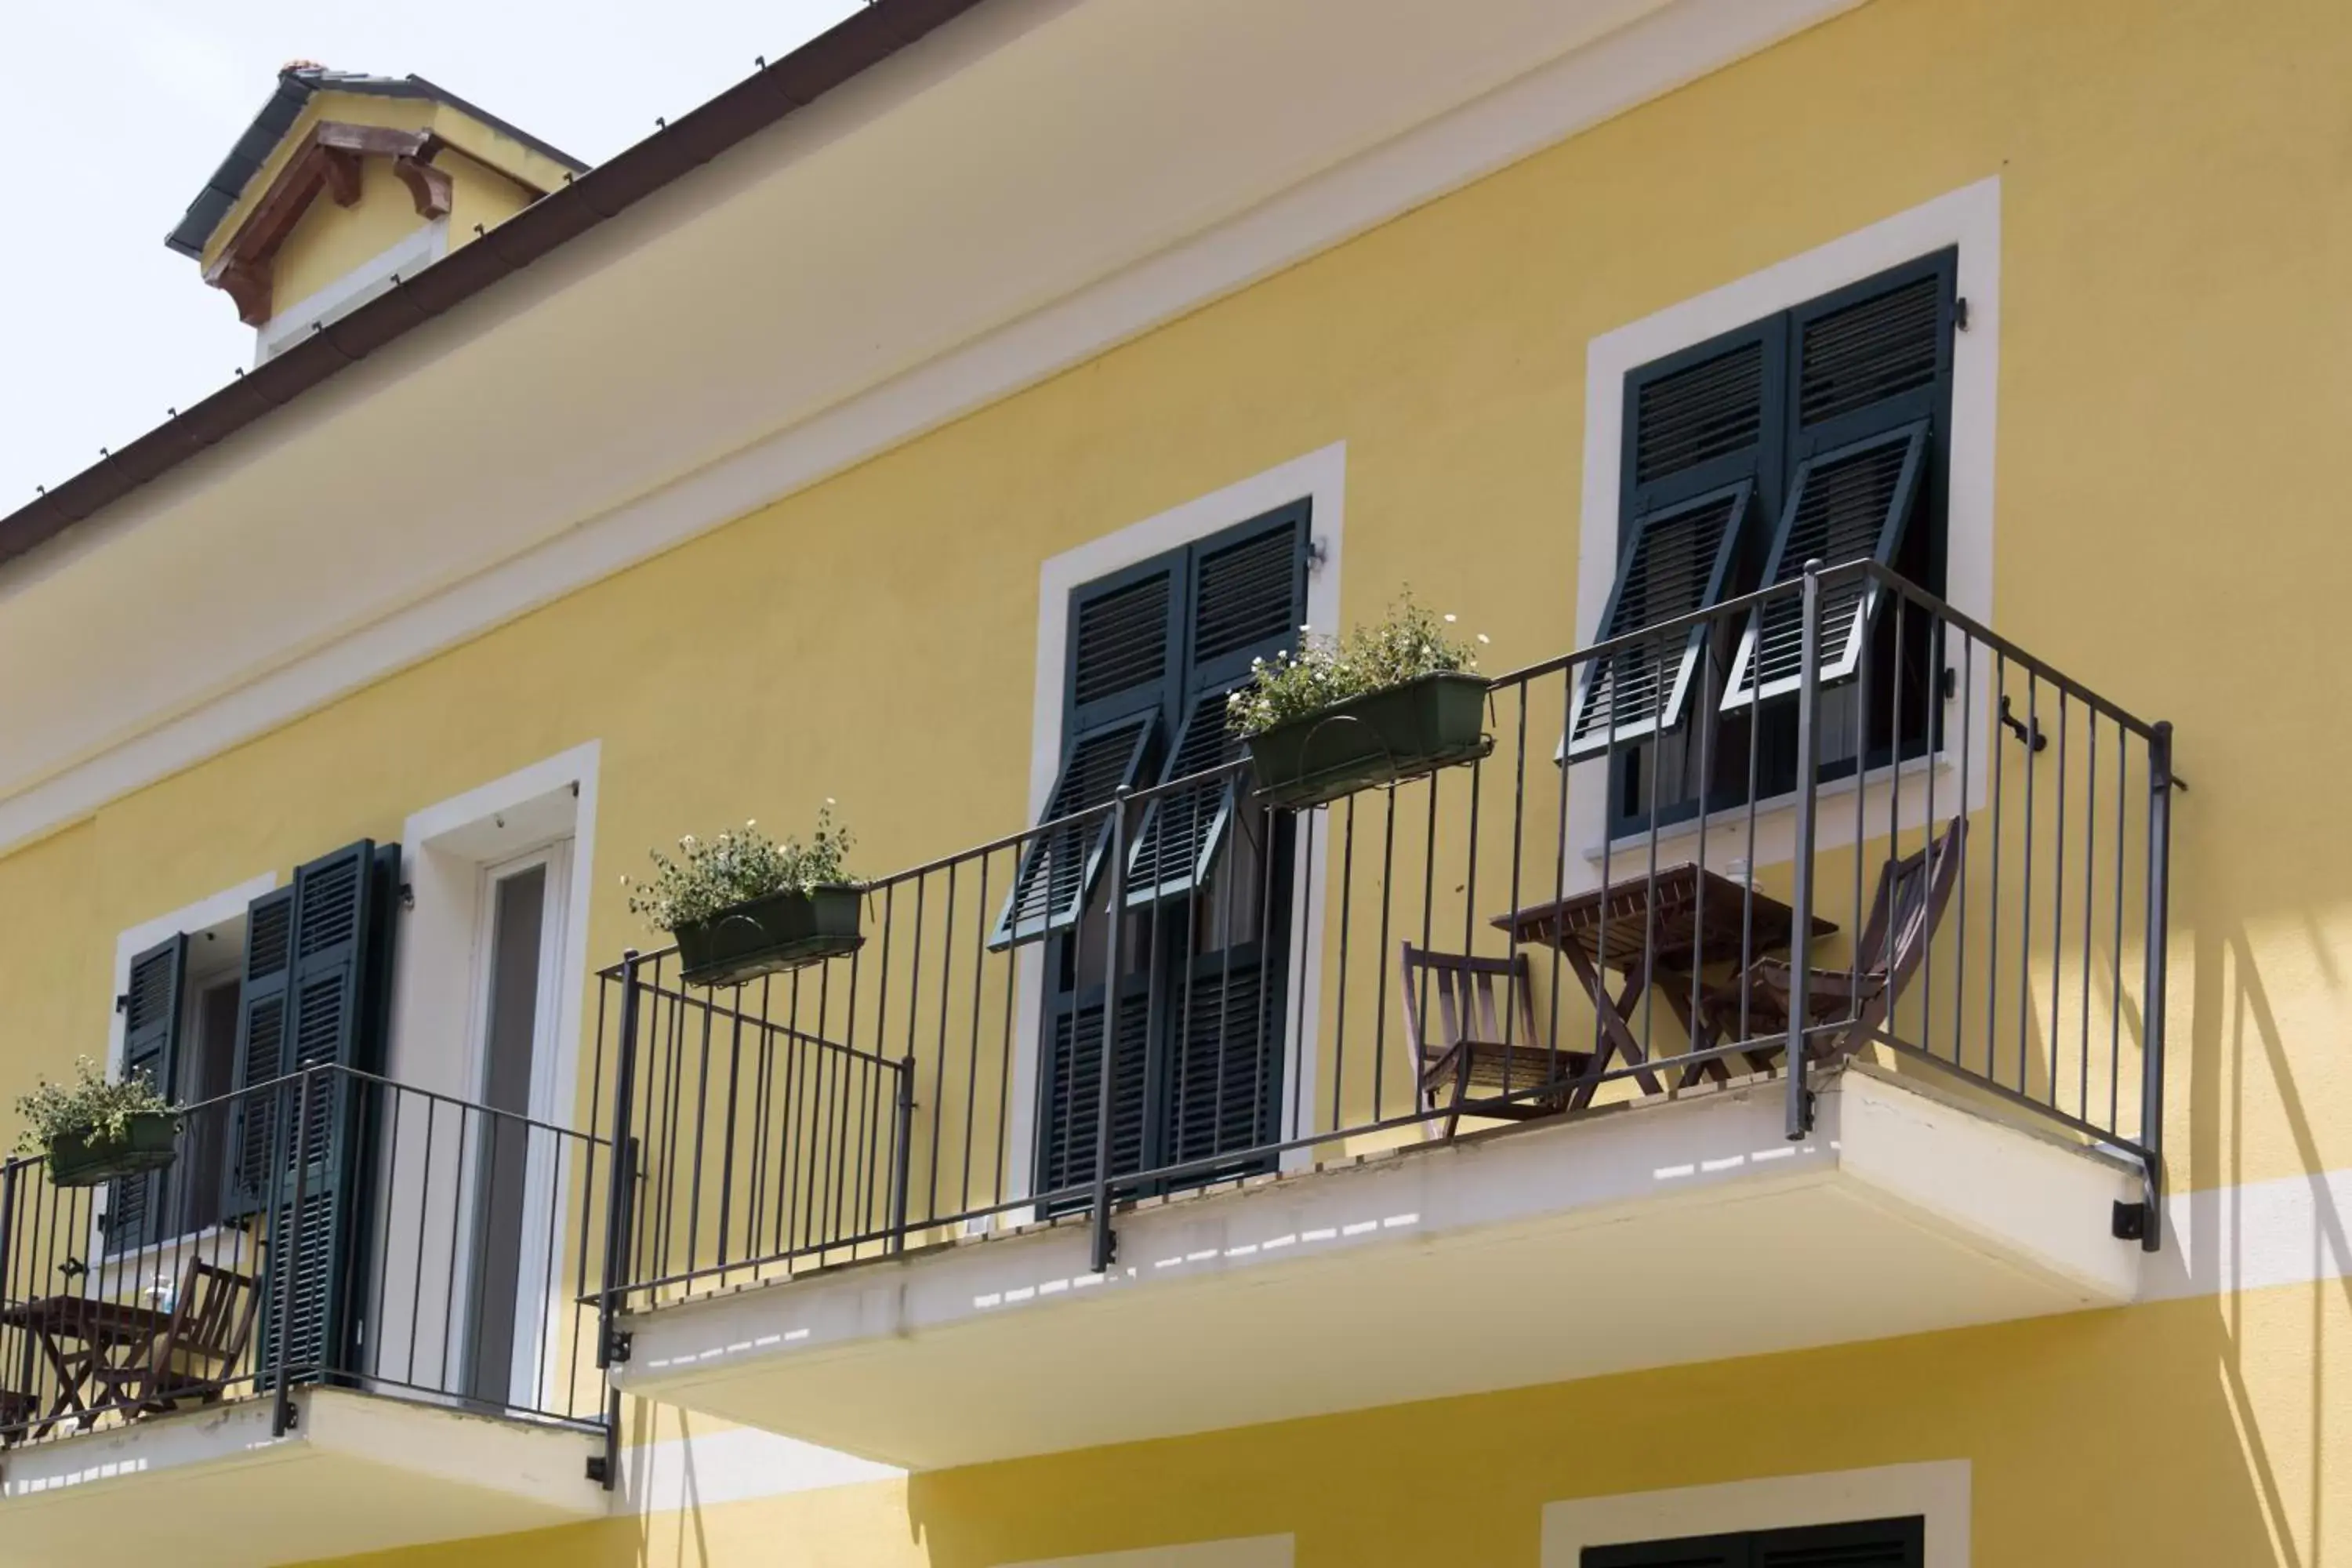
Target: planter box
[[1382, 737], [783, 930], [149, 1143]]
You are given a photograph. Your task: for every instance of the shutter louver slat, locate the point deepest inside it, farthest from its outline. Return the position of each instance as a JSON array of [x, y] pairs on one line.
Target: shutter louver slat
[[1872, 1543], [1059, 868], [1246, 594], [1072, 1108], [1681, 561], [1123, 640], [1870, 350], [1695, 416], [135, 1205], [261, 1057], [1220, 1076], [1846, 505], [1176, 842]]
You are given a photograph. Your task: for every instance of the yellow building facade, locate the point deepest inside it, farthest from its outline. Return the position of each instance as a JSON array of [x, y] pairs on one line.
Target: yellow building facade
[[793, 479]]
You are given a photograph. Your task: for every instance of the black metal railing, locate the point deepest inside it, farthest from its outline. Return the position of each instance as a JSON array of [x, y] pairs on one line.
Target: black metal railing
[[331, 1227], [1837, 810]]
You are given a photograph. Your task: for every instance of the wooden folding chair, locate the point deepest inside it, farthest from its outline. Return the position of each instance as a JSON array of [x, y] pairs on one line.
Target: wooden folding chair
[[1465, 1063], [199, 1352], [1904, 913]]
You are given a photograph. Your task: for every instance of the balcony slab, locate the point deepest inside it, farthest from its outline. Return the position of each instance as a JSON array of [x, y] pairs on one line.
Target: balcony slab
[[1655, 1233], [212, 1489]]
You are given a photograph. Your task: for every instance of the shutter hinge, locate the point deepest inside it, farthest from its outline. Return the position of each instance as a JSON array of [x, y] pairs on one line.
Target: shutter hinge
[[122, 1003], [408, 895], [616, 1346], [597, 1470], [2130, 1221], [1318, 553], [1949, 684], [1961, 313]]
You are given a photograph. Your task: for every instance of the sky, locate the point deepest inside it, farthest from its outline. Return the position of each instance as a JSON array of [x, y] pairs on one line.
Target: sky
[[134, 103]]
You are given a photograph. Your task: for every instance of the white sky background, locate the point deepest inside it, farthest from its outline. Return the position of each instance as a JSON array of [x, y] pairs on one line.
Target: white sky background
[[123, 109]]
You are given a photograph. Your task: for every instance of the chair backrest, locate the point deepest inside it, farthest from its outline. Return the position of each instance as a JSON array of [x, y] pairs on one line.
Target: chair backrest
[[1462, 986], [212, 1321], [1911, 893]]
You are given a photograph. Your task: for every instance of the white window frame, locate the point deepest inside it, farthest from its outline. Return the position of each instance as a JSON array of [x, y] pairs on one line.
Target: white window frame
[[1968, 220], [1318, 477], [439, 991], [1936, 1492]]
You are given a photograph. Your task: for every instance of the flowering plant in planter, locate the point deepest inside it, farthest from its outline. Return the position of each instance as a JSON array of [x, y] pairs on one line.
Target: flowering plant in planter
[[1385, 702], [742, 905], [93, 1130]]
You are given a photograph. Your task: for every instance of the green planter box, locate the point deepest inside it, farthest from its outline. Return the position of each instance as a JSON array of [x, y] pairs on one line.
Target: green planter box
[[1380, 737], [149, 1143], [783, 930]]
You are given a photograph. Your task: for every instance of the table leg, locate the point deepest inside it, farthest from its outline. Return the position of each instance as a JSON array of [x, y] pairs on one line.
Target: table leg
[[1617, 1036], [1672, 984]]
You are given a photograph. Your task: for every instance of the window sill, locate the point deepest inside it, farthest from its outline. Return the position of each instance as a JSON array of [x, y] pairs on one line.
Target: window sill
[[1777, 809]]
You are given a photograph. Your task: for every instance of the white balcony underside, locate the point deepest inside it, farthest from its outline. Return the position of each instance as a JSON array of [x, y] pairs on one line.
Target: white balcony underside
[[357, 1473], [1655, 1233]]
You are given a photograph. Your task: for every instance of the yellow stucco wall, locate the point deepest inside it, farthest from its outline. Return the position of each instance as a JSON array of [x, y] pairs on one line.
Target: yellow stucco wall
[[2192, 1435], [2175, 235]]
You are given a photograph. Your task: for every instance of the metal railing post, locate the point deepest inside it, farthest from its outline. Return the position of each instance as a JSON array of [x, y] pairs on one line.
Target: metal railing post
[[902, 1153], [2159, 873], [287, 1263], [1799, 1119], [619, 1191], [1106, 1244]]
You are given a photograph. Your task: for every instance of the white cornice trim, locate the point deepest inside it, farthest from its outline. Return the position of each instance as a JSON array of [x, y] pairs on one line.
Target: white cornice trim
[[1675, 45]]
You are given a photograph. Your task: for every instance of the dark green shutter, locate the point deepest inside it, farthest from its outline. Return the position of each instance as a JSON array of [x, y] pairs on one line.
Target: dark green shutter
[[136, 1206], [1870, 1544], [256, 1108], [1070, 1111], [1680, 559], [1850, 504], [1874, 1544], [1246, 593], [1871, 389], [1124, 656], [1153, 650], [332, 1014]]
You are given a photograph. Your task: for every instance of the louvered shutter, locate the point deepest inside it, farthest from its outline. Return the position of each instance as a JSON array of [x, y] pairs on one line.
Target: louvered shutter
[[1066, 1142], [1845, 505], [256, 1109], [1874, 1544], [334, 1015], [137, 1206], [1679, 560], [1702, 448], [1248, 596], [1697, 1552], [1222, 1074], [1872, 379], [1123, 661]]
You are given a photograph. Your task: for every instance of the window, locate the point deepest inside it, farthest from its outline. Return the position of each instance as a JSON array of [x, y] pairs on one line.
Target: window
[[1195, 1061], [1872, 1543], [1821, 432]]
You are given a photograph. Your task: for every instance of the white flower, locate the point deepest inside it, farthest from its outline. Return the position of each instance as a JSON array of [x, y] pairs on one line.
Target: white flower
[[1449, 620], [1483, 639]]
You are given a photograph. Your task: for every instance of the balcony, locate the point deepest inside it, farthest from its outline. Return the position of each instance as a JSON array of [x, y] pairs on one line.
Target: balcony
[[1471, 1079], [344, 1318]]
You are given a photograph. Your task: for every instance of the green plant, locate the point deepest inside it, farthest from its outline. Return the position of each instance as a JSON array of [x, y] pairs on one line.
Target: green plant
[[1407, 643], [739, 865], [90, 1107]]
